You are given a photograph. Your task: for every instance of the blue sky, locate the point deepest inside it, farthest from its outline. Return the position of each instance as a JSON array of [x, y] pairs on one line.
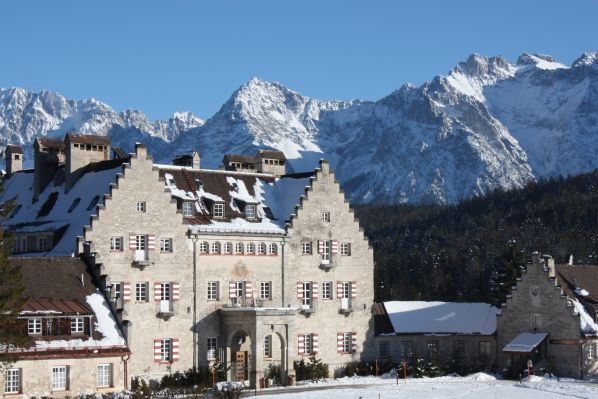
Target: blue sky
[[166, 56]]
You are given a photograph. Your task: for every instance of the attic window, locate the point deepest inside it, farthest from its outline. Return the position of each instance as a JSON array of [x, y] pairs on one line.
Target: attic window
[[74, 204], [250, 211], [218, 210], [94, 202], [187, 209]]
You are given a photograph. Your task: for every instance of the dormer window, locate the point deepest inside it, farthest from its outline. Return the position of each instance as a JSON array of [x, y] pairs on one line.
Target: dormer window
[[250, 211], [187, 209], [218, 210]]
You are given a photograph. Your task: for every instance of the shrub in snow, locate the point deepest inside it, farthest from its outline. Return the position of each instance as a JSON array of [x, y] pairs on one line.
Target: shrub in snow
[[313, 370]]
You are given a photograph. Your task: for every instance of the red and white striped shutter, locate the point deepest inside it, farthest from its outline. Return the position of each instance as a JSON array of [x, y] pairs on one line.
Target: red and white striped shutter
[[316, 343], [320, 246], [334, 245], [299, 290], [353, 342], [176, 289], [301, 344], [339, 290], [175, 349], [353, 289], [151, 242], [157, 350], [248, 290], [231, 289], [315, 290], [132, 241], [157, 291], [339, 342], [126, 292]]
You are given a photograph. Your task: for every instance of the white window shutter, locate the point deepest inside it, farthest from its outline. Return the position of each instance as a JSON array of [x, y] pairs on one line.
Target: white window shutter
[[334, 245], [175, 349], [339, 290], [231, 289], [315, 290], [157, 291], [316, 343], [157, 350], [320, 246], [132, 241], [299, 290], [126, 292], [301, 344], [339, 342], [248, 290], [353, 289], [176, 289], [151, 242]]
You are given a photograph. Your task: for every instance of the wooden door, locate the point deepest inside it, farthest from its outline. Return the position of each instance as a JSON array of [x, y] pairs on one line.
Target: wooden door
[[241, 366]]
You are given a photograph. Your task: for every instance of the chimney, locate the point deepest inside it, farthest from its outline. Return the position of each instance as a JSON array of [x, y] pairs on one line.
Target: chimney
[[324, 166], [549, 265], [196, 160], [14, 158], [48, 156], [81, 150]]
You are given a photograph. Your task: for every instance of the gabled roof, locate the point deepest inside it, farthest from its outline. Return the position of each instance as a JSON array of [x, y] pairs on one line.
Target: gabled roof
[[87, 139], [272, 154], [14, 149], [51, 142]]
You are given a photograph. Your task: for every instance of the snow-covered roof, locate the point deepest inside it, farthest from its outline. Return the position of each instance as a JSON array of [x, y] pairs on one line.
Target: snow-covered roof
[[525, 342], [420, 317]]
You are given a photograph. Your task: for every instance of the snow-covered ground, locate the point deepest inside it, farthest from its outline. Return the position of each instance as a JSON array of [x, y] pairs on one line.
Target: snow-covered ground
[[478, 386]]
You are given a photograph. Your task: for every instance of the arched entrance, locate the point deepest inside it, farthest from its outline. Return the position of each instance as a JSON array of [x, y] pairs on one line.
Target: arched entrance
[[273, 364], [241, 356]]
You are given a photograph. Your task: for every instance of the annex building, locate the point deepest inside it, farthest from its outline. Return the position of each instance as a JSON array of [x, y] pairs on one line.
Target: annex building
[[245, 265]]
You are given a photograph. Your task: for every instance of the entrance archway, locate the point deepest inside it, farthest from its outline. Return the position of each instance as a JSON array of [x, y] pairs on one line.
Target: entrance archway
[[241, 355]]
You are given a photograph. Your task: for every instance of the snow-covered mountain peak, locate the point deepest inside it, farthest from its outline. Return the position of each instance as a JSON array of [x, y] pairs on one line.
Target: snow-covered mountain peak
[[540, 61], [588, 58]]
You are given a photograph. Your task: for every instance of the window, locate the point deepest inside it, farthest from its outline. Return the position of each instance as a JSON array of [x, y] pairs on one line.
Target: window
[[459, 348], [104, 375], [203, 247], [250, 248], [484, 349], [406, 349], [238, 247], [166, 350], [347, 342], [141, 206], [272, 249], [306, 294], [327, 290], [115, 290], [216, 247], [34, 326], [384, 350], [23, 244], [432, 348], [239, 289], [265, 290], [12, 381], [326, 216], [77, 325], [165, 244], [42, 243], [345, 290], [250, 211], [187, 208], [591, 350], [166, 291], [345, 249], [268, 346], [261, 248], [228, 248], [212, 346], [116, 243], [218, 210], [141, 242], [308, 342], [212, 290], [536, 320], [141, 292], [325, 250], [59, 378], [306, 248]]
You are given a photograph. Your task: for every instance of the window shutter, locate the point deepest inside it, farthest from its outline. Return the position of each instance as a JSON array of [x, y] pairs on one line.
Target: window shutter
[[132, 241], [320, 246], [231, 289], [353, 342], [334, 245], [157, 291], [299, 290], [353, 289], [314, 290], [248, 290], [175, 350], [157, 350], [126, 292], [151, 242], [176, 287], [301, 344], [315, 343], [339, 342], [339, 290]]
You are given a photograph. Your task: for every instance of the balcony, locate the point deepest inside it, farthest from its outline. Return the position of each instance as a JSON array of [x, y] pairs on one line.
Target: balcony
[[165, 309], [308, 307], [346, 306], [141, 258], [326, 264]]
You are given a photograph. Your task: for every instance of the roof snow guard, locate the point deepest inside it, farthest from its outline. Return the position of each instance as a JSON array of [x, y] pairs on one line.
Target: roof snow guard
[[525, 342]]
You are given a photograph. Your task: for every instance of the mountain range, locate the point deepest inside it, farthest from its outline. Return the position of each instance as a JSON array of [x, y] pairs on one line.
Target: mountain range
[[487, 124]]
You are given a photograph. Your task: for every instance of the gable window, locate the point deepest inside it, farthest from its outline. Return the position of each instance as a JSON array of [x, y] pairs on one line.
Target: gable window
[[306, 248], [141, 291], [165, 244], [203, 247], [12, 381], [406, 349], [116, 243], [59, 378], [250, 248], [239, 248], [42, 243], [250, 211], [326, 216], [187, 208], [141, 206], [218, 210], [77, 325], [272, 249], [484, 349], [212, 290], [216, 247], [166, 350], [34, 326], [105, 375], [345, 249], [212, 344], [384, 350], [261, 248], [327, 290], [265, 290], [268, 346]]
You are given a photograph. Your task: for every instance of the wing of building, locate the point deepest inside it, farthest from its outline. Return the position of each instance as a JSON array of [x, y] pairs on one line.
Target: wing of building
[[247, 265]]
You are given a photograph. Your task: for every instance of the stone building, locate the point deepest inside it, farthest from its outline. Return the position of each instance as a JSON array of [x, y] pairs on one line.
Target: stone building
[[248, 268], [76, 346], [550, 319], [443, 331]]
